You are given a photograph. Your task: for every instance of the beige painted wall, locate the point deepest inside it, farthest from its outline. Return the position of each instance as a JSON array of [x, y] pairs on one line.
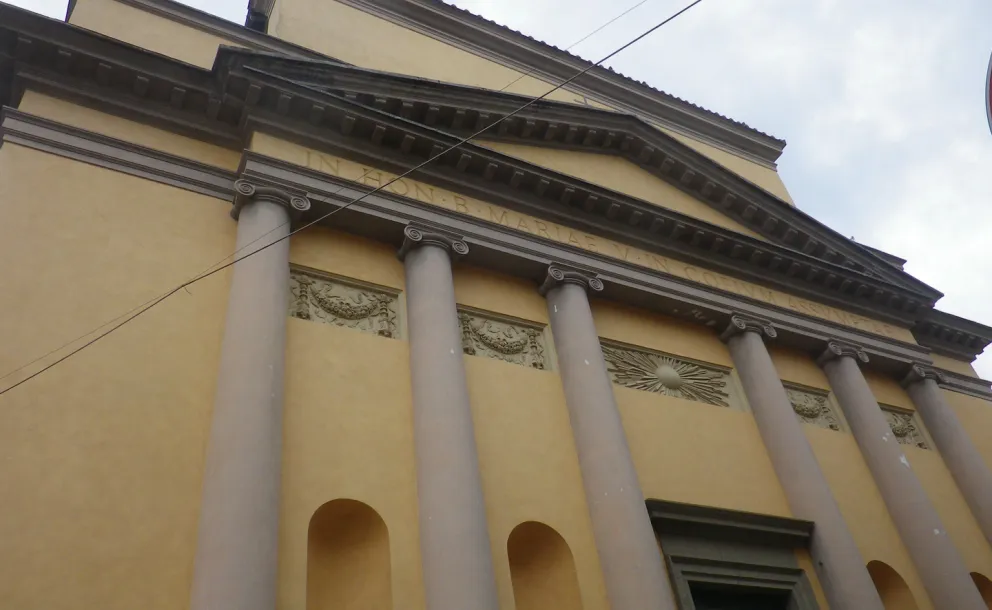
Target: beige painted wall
[[620, 175], [148, 31], [70, 113], [103, 454]]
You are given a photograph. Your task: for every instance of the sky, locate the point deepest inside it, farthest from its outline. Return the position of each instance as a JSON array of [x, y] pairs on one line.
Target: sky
[[881, 103]]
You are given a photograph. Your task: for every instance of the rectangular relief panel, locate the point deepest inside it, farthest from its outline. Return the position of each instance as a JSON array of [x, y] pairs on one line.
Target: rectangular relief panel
[[326, 298], [813, 407], [642, 369], [905, 426], [503, 338]]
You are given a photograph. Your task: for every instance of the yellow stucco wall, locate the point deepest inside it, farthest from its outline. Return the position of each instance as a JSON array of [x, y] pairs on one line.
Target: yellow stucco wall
[[620, 175], [149, 31], [954, 365], [103, 453], [70, 113], [976, 416]]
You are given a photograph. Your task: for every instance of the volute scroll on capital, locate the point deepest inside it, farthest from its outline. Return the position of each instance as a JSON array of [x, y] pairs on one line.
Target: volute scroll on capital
[[559, 275], [839, 349], [246, 191], [921, 372], [415, 236], [743, 324]]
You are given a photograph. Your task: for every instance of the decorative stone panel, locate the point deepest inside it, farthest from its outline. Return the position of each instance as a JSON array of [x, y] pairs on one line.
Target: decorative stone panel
[[905, 427], [668, 375], [324, 298], [500, 338], [813, 407]]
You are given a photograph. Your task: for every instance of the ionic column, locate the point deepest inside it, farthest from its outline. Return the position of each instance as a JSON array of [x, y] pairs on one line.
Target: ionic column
[[237, 542], [969, 470], [937, 560], [454, 536], [838, 563], [632, 565]]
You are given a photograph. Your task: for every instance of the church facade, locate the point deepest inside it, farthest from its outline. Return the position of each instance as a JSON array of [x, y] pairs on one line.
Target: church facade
[[594, 358]]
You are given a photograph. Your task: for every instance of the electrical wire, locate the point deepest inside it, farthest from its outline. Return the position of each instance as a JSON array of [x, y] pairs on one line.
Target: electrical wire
[[454, 146]]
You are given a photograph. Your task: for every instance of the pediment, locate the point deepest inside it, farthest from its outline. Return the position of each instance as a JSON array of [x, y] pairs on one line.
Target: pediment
[[460, 111], [400, 122]]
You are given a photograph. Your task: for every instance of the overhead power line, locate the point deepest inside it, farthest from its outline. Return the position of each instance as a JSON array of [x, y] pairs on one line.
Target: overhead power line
[[149, 305]]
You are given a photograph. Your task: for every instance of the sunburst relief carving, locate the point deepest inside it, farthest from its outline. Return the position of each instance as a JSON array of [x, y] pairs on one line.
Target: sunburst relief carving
[[666, 375]]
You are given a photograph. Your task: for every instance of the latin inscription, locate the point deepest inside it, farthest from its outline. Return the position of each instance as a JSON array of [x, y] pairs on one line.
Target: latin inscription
[[343, 168]]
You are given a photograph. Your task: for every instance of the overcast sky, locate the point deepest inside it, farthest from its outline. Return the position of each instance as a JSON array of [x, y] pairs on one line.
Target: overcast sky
[[881, 103]]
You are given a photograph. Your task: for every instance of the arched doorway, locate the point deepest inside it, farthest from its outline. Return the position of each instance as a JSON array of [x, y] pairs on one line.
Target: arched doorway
[[984, 587], [348, 558], [891, 587], [542, 569]]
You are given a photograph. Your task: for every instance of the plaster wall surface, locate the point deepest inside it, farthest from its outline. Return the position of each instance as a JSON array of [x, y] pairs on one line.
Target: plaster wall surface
[[103, 454], [149, 31]]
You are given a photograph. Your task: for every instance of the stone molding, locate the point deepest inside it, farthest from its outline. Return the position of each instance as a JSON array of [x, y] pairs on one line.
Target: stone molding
[[246, 190], [813, 407], [558, 275], [498, 337], [922, 372], [384, 215], [649, 371], [964, 384], [415, 236], [329, 299], [742, 324], [839, 349], [905, 426]]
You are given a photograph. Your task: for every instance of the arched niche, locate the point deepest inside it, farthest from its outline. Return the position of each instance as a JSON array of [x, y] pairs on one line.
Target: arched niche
[[984, 587], [891, 587], [348, 558], [542, 569]]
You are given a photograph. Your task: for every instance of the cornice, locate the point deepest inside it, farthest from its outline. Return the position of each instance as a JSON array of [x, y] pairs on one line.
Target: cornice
[[964, 384], [950, 335], [485, 38], [464, 110], [676, 518]]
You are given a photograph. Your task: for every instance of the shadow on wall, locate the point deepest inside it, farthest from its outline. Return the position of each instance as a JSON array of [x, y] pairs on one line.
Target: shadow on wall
[[984, 587], [891, 587], [348, 558], [542, 569]]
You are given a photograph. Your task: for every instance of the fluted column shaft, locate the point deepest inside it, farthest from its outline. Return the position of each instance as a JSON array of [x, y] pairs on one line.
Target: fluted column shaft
[[454, 536], [632, 564], [235, 567], [970, 472], [937, 560], [838, 563]]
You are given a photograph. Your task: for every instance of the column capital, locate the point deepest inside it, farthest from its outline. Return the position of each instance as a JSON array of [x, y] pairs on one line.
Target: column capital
[[743, 324], [415, 236], [247, 190], [838, 349], [921, 372], [560, 274]]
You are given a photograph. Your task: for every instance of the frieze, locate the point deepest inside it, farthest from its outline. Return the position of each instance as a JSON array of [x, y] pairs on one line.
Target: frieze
[[371, 177], [496, 337], [668, 375], [330, 300], [812, 407], [905, 427]]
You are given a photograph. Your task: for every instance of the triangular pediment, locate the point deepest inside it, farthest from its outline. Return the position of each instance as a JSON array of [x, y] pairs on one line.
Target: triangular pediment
[[621, 175], [460, 111]]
